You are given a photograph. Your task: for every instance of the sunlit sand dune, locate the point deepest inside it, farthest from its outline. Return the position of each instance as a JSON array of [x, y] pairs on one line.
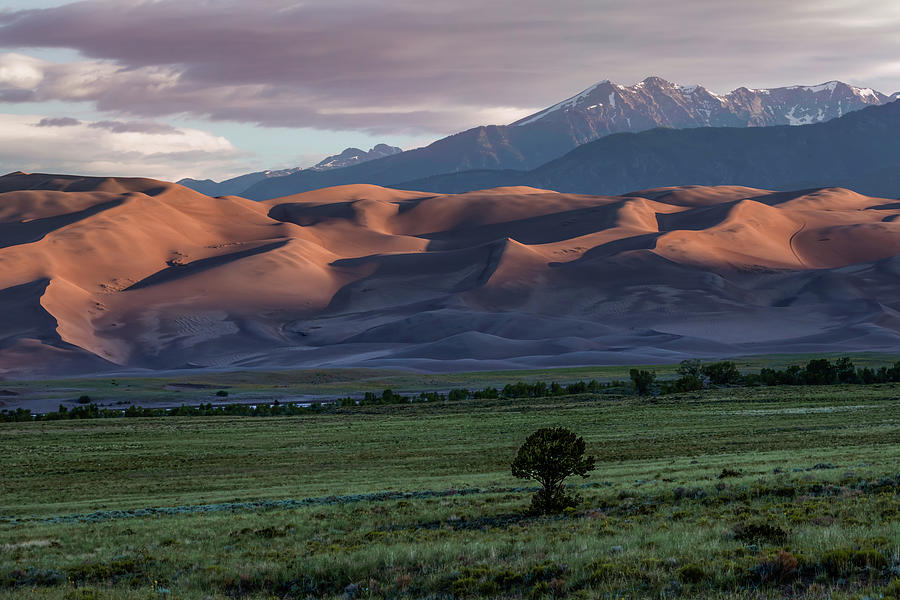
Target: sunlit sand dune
[[100, 274]]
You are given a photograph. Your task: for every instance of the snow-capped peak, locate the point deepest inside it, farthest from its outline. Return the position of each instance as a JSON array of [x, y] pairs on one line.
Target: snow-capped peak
[[567, 103], [822, 87], [657, 102]]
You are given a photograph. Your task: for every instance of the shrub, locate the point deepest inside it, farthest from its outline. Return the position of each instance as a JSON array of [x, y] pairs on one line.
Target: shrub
[[604, 572], [457, 395], [688, 383], [722, 373], [892, 374], [838, 562], [760, 532], [779, 569], [221, 393], [642, 380], [488, 393], [690, 368], [869, 558], [846, 371], [540, 590], [691, 573], [84, 400], [549, 456], [820, 371], [842, 561]]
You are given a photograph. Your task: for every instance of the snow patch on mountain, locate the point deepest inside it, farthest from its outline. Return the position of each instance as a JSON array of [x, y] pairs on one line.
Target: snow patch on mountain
[[567, 103], [822, 87], [355, 156], [804, 119]]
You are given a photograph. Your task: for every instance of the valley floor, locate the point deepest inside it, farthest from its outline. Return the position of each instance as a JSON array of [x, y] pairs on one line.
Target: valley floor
[[726, 493]]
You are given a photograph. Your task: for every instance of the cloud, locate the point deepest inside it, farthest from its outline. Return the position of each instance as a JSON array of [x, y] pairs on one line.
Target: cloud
[[64, 145], [410, 66], [18, 71], [57, 122], [147, 127]]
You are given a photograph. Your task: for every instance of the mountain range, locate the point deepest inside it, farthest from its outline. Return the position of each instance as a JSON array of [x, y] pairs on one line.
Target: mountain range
[[859, 150], [103, 274], [236, 185], [355, 156], [601, 110]]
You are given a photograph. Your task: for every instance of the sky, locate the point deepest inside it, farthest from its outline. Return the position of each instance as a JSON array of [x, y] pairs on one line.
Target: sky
[[216, 88]]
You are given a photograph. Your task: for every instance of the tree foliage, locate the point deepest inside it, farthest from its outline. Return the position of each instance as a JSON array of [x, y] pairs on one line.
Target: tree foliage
[[549, 456], [642, 380], [722, 373]]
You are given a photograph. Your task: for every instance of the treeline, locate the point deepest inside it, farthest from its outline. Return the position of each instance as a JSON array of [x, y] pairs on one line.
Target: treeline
[[93, 411], [389, 396], [89, 410], [694, 375], [520, 389]]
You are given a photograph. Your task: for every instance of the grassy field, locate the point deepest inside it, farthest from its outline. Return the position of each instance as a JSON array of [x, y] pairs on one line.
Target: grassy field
[[297, 507]]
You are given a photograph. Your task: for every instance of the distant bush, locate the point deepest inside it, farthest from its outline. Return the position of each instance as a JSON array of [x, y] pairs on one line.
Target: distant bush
[[540, 389], [819, 371], [760, 532], [550, 455], [690, 368], [691, 573], [457, 395], [488, 393], [780, 569], [846, 371], [722, 373], [222, 393], [642, 380], [688, 383], [84, 400], [843, 561]]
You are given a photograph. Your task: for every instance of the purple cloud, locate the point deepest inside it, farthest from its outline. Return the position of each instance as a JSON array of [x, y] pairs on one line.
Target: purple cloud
[[58, 122], [412, 66], [136, 127]]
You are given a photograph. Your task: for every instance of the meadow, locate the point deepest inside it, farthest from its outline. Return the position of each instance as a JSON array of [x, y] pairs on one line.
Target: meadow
[[722, 493]]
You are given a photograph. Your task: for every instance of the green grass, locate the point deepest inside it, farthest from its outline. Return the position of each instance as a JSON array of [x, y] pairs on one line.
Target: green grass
[[658, 522]]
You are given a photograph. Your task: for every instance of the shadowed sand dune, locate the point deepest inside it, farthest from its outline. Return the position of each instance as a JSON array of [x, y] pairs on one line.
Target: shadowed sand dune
[[100, 274]]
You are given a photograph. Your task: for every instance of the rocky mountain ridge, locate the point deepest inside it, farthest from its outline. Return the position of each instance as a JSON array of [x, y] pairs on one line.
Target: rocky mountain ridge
[[603, 109]]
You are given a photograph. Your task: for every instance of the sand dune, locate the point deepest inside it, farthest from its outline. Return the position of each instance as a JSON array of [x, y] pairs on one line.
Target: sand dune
[[102, 274]]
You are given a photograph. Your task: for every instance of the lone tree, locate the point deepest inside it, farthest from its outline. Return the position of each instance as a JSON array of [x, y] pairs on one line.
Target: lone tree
[[549, 456]]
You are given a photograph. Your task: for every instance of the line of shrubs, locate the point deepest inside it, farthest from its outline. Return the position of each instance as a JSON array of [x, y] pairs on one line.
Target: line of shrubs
[[520, 389], [93, 411], [694, 375]]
